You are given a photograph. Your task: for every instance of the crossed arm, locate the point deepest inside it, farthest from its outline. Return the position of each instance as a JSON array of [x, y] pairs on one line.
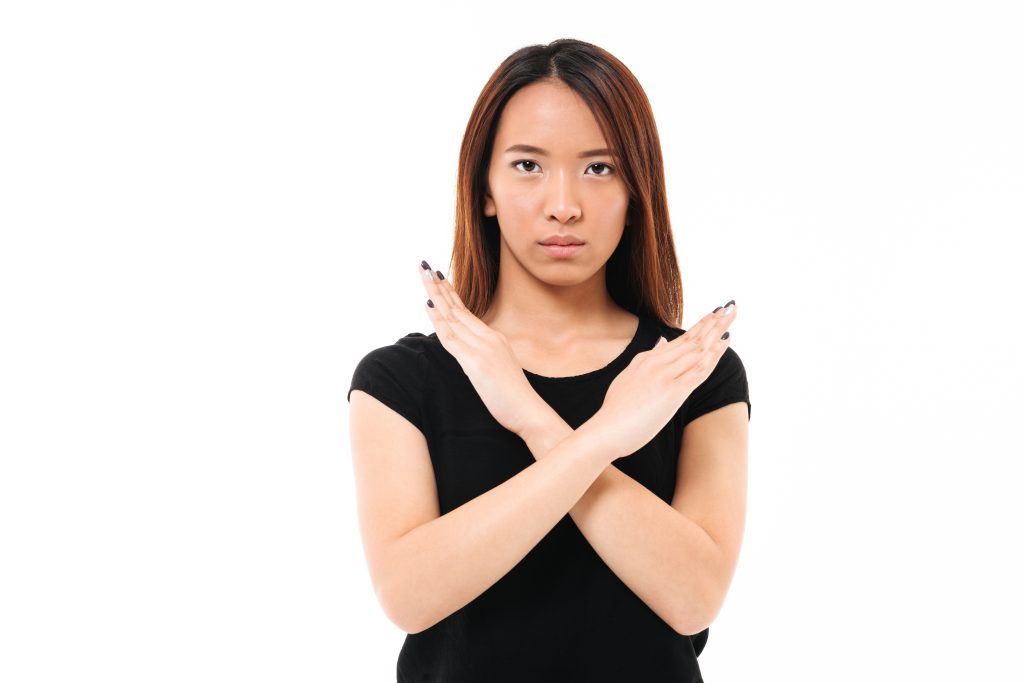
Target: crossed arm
[[679, 558]]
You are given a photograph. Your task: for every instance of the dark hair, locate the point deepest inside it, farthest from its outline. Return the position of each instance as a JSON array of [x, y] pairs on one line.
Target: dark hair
[[642, 273]]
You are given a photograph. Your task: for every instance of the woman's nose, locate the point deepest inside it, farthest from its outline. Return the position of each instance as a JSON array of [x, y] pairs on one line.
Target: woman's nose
[[561, 197]]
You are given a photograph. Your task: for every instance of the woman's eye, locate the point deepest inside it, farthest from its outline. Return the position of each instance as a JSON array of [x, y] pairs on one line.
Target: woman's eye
[[534, 164], [524, 161]]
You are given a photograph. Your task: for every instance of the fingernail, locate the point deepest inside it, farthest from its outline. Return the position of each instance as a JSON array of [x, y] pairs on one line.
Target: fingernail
[[430, 303], [717, 309], [726, 335], [425, 265], [439, 276], [729, 306]]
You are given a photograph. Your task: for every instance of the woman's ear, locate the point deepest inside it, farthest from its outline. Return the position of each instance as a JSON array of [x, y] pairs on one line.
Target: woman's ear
[[489, 208]]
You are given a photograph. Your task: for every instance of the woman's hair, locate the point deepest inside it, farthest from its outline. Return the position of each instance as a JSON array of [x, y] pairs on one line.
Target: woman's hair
[[642, 275]]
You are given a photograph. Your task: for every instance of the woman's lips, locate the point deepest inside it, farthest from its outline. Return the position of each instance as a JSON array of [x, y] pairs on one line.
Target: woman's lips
[[561, 250]]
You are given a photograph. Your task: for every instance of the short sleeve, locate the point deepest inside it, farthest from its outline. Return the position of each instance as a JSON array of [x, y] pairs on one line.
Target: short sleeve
[[726, 384], [394, 375]]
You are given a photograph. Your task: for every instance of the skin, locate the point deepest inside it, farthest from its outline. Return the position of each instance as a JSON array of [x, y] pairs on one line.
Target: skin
[[678, 558], [556, 313]]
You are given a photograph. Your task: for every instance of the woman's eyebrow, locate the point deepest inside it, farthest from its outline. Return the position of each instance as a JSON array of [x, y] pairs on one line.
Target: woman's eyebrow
[[530, 149]]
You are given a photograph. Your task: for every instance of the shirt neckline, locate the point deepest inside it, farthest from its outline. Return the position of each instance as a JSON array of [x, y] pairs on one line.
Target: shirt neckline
[[631, 348]]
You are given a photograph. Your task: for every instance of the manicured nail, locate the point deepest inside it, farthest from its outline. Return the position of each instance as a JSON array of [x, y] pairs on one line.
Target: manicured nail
[[430, 303], [717, 309], [425, 265], [439, 276], [725, 336]]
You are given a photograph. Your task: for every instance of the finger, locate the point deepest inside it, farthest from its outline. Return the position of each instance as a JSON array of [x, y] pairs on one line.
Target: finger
[[451, 325], [714, 322], [706, 351], [719, 319], [691, 334], [698, 337], [446, 290], [437, 310], [723, 318], [699, 367], [434, 291], [442, 289], [457, 308]]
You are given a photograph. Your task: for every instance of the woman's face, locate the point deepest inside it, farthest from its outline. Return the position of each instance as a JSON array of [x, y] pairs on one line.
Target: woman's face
[[552, 190]]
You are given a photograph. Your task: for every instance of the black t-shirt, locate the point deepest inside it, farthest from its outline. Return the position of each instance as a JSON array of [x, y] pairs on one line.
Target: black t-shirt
[[560, 614]]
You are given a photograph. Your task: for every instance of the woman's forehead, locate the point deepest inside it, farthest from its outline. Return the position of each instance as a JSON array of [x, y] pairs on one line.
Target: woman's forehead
[[551, 119]]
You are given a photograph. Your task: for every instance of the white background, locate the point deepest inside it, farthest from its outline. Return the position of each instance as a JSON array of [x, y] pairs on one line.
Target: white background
[[211, 211]]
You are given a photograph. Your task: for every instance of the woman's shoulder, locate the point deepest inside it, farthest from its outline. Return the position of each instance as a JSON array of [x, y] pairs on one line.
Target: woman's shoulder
[[396, 374], [417, 342], [405, 353]]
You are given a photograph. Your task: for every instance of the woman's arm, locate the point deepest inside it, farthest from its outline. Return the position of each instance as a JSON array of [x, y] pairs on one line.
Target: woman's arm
[[666, 558], [439, 567]]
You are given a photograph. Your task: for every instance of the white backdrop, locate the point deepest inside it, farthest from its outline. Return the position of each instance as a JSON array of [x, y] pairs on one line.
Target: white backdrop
[[210, 211]]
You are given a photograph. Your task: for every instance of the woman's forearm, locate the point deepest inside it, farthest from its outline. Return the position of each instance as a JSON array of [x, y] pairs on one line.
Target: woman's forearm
[[664, 557], [441, 566]]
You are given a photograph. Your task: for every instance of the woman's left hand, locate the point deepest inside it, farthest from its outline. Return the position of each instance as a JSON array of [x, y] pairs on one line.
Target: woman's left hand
[[485, 355]]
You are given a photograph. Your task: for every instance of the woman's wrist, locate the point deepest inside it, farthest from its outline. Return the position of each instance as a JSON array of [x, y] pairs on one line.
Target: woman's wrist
[[545, 429]]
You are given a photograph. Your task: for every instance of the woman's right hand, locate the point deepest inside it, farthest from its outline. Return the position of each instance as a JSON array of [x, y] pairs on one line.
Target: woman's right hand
[[647, 393], [483, 353]]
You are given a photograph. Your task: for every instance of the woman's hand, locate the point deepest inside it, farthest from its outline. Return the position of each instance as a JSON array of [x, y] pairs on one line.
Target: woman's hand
[[484, 354], [647, 393]]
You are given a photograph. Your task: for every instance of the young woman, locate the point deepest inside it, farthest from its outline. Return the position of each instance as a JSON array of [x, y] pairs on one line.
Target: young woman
[[552, 484]]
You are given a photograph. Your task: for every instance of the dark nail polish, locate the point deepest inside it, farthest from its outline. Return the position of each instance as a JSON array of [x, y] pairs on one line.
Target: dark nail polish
[[717, 309], [430, 303], [439, 276], [731, 301], [425, 265], [725, 336]]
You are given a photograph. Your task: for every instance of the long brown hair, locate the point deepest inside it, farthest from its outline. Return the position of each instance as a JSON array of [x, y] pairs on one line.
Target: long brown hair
[[642, 273]]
